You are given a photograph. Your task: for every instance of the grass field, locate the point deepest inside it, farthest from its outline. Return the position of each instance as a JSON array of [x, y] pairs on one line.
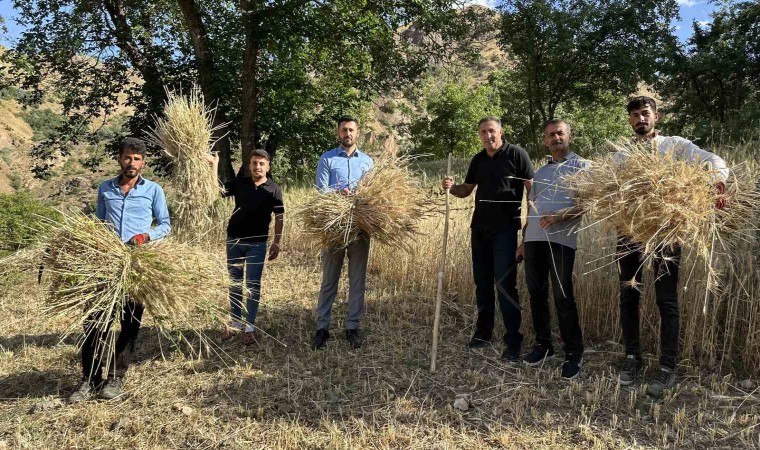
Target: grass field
[[279, 394]]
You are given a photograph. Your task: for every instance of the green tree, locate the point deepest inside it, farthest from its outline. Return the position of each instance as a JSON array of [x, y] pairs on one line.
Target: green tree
[[279, 71], [570, 50], [712, 84], [450, 113]]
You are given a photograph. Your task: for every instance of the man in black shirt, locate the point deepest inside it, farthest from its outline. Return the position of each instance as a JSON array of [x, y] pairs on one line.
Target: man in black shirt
[[501, 172], [256, 199]]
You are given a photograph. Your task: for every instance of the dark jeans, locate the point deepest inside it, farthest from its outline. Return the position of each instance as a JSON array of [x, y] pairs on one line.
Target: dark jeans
[[666, 295], [251, 256], [493, 264], [99, 339], [544, 260]]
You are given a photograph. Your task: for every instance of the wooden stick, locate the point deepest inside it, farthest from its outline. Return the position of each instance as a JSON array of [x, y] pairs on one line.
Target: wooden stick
[[441, 269]]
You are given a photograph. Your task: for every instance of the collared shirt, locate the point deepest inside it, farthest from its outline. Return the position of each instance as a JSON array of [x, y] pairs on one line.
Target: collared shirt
[[686, 150], [254, 206], [549, 194], [500, 184], [337, 171], [133, 214]]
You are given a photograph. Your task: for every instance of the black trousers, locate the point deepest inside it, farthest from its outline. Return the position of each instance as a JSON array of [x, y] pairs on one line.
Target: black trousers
[[97, 341], [494, 266], [665, 266], [544, 260]]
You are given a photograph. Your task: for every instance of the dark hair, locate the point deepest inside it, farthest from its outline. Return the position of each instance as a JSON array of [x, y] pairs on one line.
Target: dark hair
[[489, 119], [261, 154], [133, 144], [342, 119], [641, 101], [557, 122]]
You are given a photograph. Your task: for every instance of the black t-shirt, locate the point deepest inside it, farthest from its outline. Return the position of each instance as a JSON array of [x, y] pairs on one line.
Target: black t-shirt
[[254, 206], [499, 181]]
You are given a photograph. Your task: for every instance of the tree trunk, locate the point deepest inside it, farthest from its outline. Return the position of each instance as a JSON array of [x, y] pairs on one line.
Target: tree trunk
[[204, 60], [125, 40], [249, 102]]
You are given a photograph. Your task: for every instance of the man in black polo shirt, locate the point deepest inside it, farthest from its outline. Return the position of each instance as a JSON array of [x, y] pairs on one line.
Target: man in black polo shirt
[[501, 172], [256, 199]]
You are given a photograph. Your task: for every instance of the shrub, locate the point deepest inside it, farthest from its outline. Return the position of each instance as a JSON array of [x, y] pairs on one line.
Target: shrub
[[44, 122], [22, 217]]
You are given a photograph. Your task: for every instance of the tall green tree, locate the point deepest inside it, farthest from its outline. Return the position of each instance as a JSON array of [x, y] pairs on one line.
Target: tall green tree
[[279, 70], [449, 115], [569, 50], [712, 84]]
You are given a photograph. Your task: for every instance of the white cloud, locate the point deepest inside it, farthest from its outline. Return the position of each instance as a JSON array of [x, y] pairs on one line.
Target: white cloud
[[488, 3], [688, 3]]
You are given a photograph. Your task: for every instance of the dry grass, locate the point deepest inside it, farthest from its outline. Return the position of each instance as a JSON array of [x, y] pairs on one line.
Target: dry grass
[[387, 205], [279, 394], [185, 132]]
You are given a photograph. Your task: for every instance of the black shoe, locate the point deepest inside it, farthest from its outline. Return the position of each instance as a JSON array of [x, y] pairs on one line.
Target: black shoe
[[320, 339], [354, 339], [630, 372], [511, 353], [114, 388], [665, 378], [571, 368], [538, 355], [479, 341], [86, 391]]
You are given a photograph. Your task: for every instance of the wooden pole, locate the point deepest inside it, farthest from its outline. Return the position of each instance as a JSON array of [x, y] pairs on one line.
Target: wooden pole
[[441, 269]]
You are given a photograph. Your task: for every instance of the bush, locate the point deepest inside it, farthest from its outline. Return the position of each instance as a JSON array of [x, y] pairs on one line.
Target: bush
[[22, 219], [44, 122]]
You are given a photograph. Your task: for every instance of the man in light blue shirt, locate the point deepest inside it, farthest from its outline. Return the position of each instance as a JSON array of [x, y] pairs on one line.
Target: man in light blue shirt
[[340, 169], [549, 243], [130, 204]]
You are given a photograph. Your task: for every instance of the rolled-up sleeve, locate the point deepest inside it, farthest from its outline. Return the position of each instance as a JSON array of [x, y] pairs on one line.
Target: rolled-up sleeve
[[161, 214], [714, 162]]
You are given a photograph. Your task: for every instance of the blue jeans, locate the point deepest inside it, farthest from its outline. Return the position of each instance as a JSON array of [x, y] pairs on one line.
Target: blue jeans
[[251, 256], [493, 264]]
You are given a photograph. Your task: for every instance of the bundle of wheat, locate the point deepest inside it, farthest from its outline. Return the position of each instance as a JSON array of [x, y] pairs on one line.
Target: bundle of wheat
[[661, 201], [186, 133], [386, 204], [92, 273]]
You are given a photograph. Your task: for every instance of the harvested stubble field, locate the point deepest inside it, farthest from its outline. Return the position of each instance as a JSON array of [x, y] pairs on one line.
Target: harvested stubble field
[[279, 394]]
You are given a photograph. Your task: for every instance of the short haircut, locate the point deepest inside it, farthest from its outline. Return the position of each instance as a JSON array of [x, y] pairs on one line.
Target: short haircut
[[342, 119], [557, 122], [489, 119], [641, 101], [259, 153], [133, 144]]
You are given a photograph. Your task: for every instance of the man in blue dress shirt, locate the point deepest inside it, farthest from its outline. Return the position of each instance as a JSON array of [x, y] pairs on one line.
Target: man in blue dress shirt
[[130, 204], [340, 169]]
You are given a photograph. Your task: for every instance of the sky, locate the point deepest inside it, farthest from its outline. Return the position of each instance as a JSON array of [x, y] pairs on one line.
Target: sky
[[691, 10]]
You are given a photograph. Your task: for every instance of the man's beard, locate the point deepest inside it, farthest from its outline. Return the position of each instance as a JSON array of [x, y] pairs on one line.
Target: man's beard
[[130, 176], [564, 148], [643, 131]]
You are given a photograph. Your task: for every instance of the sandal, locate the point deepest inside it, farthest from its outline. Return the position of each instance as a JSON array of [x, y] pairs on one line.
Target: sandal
[[249, 337], [228, 333]]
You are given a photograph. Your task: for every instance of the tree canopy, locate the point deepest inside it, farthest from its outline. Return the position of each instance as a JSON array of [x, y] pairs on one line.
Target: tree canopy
[[280, 71]]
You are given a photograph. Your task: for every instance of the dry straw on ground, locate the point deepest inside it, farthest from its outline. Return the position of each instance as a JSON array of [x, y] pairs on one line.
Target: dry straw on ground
[[186, 133], [387, 205], [92, 273]]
